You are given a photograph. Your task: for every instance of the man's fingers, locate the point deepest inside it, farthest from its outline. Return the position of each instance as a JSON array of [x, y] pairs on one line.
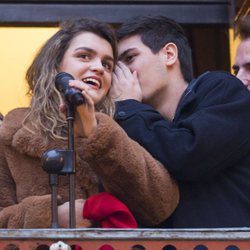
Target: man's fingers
[[123, 71], [124, 68]]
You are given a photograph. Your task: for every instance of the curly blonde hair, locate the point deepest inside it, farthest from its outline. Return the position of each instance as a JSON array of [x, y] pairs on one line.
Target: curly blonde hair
[[44, 115]]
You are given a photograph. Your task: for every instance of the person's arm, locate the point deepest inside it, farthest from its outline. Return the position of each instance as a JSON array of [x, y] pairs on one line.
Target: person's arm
[[31, 212], [211, 133], [130, 173], [125, 168]]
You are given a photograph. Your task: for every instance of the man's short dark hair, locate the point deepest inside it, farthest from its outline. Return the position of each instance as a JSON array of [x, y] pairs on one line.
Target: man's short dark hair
[[155, 32]]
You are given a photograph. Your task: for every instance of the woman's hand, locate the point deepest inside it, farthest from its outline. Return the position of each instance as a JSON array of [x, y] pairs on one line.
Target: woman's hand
[[85, 119], [86, 114], [63, 215]]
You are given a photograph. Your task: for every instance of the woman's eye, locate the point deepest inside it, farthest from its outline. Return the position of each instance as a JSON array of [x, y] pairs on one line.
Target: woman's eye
[[84, 56]]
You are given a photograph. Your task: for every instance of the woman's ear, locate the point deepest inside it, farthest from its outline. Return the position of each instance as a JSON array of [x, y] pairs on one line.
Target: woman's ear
[[170, 53]]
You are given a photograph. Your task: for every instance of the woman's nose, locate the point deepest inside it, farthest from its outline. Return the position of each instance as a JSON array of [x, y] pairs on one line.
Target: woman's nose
[[96, 65]]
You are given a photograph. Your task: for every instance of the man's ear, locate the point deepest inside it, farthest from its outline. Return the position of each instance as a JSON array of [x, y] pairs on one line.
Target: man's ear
[[170, 53]]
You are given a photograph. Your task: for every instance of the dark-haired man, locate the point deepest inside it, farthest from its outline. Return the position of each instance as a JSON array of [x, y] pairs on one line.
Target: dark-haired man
[[242, 61], [199, 129]]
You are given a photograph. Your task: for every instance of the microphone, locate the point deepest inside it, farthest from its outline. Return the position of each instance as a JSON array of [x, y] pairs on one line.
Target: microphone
[[71, 95]]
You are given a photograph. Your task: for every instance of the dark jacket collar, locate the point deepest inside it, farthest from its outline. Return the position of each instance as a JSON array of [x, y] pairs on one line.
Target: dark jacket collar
[[188, 96]]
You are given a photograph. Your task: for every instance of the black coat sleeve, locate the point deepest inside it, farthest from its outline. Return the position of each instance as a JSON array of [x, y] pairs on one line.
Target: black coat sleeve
[[209, 133]]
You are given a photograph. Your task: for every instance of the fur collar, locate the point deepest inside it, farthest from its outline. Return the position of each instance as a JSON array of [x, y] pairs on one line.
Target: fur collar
[[13, 134]]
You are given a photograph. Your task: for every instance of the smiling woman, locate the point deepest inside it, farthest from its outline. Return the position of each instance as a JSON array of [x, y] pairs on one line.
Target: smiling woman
[[17, 49]]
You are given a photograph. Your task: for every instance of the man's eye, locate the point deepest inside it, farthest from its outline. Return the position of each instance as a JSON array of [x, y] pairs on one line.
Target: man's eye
[[248, 67], [129, 58]]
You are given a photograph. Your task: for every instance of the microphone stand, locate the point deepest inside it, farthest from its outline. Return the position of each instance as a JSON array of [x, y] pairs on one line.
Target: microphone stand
[[62, 162], [70, 115], [53, 180]]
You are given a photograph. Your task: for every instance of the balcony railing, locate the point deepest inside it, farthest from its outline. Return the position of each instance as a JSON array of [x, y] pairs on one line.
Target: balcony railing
[[116, 239]]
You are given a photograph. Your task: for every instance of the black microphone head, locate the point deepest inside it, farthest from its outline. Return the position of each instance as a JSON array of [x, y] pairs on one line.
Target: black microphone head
[[62, 81], [71, 95]]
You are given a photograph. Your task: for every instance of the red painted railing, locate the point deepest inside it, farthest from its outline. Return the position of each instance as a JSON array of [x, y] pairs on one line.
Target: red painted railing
[[116, 239]]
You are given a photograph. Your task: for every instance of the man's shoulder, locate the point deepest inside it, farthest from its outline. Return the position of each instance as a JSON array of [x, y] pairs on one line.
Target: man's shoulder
[[212, 79], [220, 87], [216, 75]]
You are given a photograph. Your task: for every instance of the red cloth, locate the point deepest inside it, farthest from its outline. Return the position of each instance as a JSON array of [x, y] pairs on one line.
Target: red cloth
[[108, 211]]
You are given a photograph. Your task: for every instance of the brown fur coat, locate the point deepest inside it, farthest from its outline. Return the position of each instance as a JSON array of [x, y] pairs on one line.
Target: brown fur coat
[[124, 168]]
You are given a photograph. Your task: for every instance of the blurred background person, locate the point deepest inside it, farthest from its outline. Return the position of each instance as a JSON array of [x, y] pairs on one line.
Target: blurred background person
[[1, 118], [241, 66]]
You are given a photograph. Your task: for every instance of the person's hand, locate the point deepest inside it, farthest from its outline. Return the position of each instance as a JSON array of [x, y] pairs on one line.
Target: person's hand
[[125, 85], [63, 215], [85, 119], [78, 129]]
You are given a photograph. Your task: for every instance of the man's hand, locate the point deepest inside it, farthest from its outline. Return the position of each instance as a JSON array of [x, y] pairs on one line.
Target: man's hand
[[125, 85]]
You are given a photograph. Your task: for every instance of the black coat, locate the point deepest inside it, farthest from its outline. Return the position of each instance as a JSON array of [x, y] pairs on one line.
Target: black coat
[[206, 148]]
